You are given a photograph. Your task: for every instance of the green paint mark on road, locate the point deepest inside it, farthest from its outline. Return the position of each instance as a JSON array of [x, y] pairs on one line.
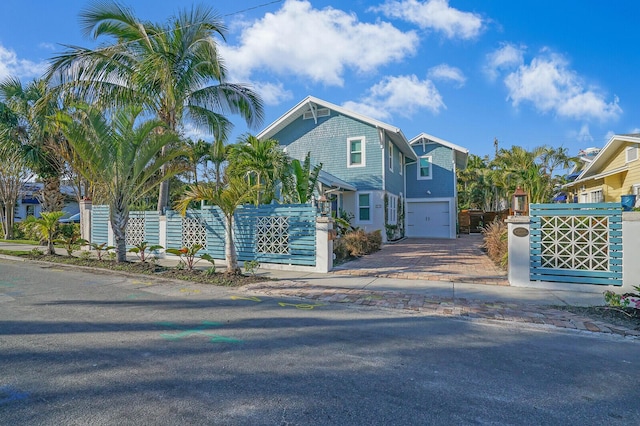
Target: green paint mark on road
[[200, 330], [304, 306], [252, 298]]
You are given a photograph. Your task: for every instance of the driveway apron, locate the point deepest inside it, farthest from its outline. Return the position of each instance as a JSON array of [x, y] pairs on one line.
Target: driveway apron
[[457, 260]]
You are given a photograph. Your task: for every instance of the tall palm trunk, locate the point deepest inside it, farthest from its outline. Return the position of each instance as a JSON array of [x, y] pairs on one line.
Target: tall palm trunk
[[119, 219], [230, 249], [52, 199]]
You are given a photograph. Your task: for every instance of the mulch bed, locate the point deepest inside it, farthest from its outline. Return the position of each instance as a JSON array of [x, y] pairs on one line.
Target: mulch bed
[[624, 317]]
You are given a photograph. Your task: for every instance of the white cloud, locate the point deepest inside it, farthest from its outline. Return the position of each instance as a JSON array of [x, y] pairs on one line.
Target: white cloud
[[582, 135], [316, 44], [551, 87], [272, 93], [446, 72], [508, 56], [609, 135], [402, 95], [435, 15], [47, 46], [11, 65]]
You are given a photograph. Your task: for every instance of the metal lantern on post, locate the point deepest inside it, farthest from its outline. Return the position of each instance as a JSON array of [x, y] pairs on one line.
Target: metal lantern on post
[[324, 206], [520, 203]]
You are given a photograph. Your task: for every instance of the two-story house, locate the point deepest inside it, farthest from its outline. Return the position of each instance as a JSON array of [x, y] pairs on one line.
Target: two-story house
[[372, 171], [614, 172]]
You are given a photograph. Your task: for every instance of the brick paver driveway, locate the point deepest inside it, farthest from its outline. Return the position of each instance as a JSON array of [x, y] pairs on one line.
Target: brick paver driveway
[[459, 260]]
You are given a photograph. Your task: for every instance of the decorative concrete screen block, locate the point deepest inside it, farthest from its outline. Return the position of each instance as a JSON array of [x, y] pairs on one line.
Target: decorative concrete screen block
[[272, 234], [135, 231], [575, 242], [193, 232]]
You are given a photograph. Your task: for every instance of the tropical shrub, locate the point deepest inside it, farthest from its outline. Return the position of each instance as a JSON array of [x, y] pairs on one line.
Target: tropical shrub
[[187, 255], [140, 250], [357, 243], [496, 242]]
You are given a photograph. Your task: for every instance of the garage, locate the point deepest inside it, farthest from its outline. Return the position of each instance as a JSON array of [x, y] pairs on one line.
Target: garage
[[428, 219]]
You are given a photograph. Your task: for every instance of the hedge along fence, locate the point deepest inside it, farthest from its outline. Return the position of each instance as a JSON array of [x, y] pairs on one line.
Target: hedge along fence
[[280, 234]]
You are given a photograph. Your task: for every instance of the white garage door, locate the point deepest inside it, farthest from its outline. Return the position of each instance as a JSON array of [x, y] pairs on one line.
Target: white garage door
[[428, 220]]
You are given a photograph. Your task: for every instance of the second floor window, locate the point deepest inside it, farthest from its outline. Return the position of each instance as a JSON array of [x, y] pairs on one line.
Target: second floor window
[[424, 168], [390, 156], [355, 152]]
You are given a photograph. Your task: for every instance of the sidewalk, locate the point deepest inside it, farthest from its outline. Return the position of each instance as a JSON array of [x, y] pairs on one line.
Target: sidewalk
[[457, 299]]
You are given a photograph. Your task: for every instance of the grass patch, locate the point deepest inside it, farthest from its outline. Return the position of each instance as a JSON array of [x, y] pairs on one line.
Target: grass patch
[[37, 243], [147, 268], [15, 252]]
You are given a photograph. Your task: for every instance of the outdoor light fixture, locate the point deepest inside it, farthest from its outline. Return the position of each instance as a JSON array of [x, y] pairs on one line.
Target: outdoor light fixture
[[324, 205], [520, 203]]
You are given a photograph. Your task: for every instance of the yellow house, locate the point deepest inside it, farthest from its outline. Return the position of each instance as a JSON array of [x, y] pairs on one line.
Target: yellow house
[[614, 172]]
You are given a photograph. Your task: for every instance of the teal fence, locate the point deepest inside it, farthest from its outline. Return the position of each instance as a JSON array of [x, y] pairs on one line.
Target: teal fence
[[282, 234], [576, 243]]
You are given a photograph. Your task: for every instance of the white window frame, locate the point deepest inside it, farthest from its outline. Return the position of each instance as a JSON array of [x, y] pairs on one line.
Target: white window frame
[[390, 156], [392, 209], [628, 151], [363, 163], [592, 196], [400, 162], [370, 206], [418, 167]]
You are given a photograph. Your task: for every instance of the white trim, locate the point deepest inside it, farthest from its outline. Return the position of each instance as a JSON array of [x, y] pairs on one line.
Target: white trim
[[400, 163], [294, 113], [370, 206], [363, 157], [419, 176], [422, 136], [390, 155]]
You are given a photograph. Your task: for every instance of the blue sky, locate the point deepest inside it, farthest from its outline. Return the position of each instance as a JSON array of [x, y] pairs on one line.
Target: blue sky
[[559, 72]]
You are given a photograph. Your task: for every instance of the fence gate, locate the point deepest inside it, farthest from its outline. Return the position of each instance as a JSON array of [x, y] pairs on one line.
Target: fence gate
[[576, 243]]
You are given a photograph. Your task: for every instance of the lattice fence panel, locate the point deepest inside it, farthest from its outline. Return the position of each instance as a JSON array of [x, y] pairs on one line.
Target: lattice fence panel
[[575, 242], [134, 234], [272, 234], [193, 232]]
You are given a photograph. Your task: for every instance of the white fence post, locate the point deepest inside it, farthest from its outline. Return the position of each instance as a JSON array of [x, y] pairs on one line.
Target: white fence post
[[85, 219], [324, 244], [630, 252], [162, 235], [518, 229]]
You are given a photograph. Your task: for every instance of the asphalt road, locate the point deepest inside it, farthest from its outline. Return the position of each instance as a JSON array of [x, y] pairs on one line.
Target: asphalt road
[[83, 348]]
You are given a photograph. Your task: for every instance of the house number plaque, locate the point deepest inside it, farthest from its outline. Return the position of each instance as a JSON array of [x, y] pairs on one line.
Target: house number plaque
[[520, 232]]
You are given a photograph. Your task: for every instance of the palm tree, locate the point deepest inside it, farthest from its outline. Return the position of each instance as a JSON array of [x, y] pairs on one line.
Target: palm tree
[[120, 155], [47, 226], [301, 180], [218, 154], [196, 153], [25, 126], [236, 191], [261, 162], [174, 70]]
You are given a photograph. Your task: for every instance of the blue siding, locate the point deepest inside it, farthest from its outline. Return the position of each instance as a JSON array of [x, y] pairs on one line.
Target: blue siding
[[394, 180], [327, 142], [100, 224], [441, 185]]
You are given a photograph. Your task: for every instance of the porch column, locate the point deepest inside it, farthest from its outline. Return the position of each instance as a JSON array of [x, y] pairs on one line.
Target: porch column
[[518, 229]]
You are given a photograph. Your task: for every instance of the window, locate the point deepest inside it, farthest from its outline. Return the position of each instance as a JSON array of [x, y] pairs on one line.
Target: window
[[593, 196], [364, 207], [390, 156], [400, 162], [392, 209], [631, 154], [31, 210], [355, 152], [424, 168]]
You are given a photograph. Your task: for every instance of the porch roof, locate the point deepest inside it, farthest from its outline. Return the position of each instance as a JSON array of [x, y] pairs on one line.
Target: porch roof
[[329, 180]]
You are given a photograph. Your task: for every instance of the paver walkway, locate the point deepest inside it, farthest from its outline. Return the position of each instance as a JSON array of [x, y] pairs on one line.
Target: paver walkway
[[458, 260], [441, 306]]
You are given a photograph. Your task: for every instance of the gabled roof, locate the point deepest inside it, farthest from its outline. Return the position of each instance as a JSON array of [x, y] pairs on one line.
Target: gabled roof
[[595, 167], [461, 154], [311, 104], [329, 180]]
